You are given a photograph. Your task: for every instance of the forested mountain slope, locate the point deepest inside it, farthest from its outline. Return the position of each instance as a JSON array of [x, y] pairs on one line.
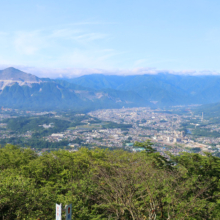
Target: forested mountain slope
[[166, 89], [22, 90]]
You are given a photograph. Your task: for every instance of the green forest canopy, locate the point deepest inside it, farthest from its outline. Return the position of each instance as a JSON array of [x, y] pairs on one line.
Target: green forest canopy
[[104, 184]]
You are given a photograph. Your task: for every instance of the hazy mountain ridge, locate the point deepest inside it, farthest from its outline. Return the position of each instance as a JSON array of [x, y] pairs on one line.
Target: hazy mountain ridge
[[17, 75], [164, 88], [22, 90], [10, 76], [30, 92]]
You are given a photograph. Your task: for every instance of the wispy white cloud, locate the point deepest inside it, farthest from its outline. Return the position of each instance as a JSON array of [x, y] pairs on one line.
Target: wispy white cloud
[[140, 62], [91, 22], [89, 37], [86, 58], [29, 43], [76, 35], [70, 47], [64, 33], [78, 48], [76, 72]]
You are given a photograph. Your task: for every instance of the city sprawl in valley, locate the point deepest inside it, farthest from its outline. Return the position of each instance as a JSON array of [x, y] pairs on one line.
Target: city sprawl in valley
[[176, 130]]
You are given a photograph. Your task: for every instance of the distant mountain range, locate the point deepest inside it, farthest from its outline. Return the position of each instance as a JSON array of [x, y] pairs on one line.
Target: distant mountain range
[[22, 90], [26, 91], [163, 88]]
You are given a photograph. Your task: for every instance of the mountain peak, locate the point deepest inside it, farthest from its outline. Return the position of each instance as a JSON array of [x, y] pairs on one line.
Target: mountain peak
[[11, 69], [14, 74]]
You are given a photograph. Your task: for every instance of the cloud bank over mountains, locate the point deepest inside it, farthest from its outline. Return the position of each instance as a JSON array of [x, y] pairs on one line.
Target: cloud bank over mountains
[[80, 49], [76, 72]]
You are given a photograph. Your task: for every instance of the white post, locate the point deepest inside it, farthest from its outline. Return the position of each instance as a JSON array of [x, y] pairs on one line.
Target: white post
[[58, 212]]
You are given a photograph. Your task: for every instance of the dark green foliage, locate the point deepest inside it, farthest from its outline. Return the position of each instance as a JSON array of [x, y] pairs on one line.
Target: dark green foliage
[[205, 133], [147, 146], [104, 184], [210, 111], [24, 124], [116, 125], [196, 149]]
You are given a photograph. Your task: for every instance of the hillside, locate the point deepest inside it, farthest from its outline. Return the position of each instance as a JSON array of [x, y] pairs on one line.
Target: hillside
[[22, 90], [26, 91], [17, 75], [166, 89]]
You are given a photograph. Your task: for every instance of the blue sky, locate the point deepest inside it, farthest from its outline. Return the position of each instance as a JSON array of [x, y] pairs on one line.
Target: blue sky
[[73, 37]]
